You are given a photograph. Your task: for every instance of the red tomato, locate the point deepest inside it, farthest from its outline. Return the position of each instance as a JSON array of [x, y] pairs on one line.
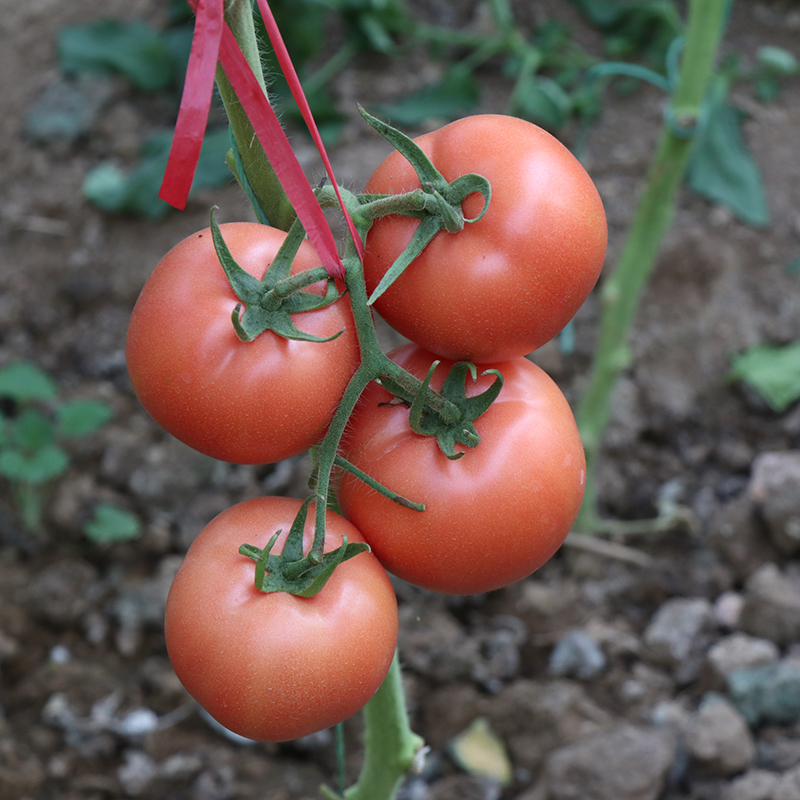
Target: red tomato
[[508, 283], [492, 516], [245, 402], [275, 667]]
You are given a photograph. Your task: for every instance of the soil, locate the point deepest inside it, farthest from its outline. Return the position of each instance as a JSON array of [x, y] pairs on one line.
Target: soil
[[90, 707]]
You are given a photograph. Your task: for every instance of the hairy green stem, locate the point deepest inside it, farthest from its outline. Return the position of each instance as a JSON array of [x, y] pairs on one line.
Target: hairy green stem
[[391, 745], [259, 174], [621, 291]]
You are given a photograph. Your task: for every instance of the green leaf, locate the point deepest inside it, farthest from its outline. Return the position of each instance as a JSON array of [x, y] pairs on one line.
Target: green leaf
[[721, 167], [632, 26], [131, 49], [777, 61], [774, 372], [45, 464], [136, 193], [458, 92], [81, 417], [22, 382], [543, 101], [112, 524], [32, 430]]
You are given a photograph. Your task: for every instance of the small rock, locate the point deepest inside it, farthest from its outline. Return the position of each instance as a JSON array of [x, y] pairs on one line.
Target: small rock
[[61, 593], [775, 491], [758, 784], [215, 784], [718, 739], [767, 694], [435, 645], [728, 609], [737, 534], [678, 633], [788, 787], [576, 655], [778, 753], [740, 651], [499, 651], [628, 763], [137, 772], [771, 607], [142, 604]]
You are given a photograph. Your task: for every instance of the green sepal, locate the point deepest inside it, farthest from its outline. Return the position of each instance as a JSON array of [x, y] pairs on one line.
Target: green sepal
[[426, 421], [292, 571], [271, 301], [442, 207], [422, 237]]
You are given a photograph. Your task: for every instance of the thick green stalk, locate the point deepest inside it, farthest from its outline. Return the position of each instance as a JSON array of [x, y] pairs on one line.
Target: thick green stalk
[[622, 290], [258, 172], [391, 745]]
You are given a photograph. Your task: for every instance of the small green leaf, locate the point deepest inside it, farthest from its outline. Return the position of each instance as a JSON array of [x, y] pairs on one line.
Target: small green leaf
[[721, 167], [480, 751], [774, 372], [81, 417], [457, 93], [131, 49], [32, 430], [777, 60], [112, 524], [45, 464], [136, 193], [543, 101], [22, 382]]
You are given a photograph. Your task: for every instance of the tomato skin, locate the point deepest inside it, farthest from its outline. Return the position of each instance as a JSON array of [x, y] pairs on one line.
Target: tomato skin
[[244, 402], [508, 283], [275, 667], [494, 515]]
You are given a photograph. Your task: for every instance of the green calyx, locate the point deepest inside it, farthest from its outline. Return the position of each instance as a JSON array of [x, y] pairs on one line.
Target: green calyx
[[427, 421], [270, 302], [292, 571], [437, 203]]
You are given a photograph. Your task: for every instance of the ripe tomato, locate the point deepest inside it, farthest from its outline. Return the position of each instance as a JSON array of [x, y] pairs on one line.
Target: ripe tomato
[[275, 667], [244, 402], [494, 515], [508, 283]]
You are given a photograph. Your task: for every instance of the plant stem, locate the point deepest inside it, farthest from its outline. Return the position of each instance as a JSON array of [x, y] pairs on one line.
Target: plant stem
[[622, 290], [258, 172], [391, 745]]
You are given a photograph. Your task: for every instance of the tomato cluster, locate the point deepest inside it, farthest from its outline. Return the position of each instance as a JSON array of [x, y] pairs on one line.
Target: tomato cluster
[[498, 499]]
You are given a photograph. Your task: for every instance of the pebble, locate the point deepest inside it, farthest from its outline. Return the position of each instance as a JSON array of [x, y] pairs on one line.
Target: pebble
[[728, 608], [626, 763], [677, 634], [771, 608], [576, 655], [775, 491], [740, 651], [758, 784], [767, 694], [736, 533], [788, 787], [717, 738], [137, 772]]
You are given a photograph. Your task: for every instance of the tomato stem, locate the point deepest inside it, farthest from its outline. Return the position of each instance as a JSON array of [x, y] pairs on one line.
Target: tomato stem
[[259, 176], [392, 748], [622, 290]]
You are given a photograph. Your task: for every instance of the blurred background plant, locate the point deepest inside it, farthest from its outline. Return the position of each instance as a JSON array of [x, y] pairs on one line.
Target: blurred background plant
[[34, 428]]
